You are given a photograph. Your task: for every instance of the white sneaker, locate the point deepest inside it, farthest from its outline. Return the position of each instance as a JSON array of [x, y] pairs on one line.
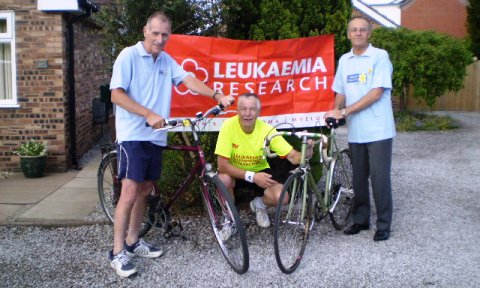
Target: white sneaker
[[121, 264], [143, 249], [260, 214]]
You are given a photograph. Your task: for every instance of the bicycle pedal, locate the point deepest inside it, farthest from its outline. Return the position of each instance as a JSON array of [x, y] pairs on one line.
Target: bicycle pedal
[[173, 229]]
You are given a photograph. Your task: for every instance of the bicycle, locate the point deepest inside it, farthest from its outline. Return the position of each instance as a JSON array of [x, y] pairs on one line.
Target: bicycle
[[217, 201], [303, 198]]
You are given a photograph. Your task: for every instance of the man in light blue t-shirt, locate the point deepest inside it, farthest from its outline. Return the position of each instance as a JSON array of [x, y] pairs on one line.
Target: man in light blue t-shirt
[[363, 85], [142, 81]]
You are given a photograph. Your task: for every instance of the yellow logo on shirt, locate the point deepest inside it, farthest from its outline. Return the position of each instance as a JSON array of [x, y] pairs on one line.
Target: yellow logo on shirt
[[362, 78]]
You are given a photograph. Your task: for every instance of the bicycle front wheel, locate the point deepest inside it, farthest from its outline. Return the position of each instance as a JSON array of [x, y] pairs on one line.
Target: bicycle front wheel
[[225, 223], [292, 223], [108, 185], [341, 190]]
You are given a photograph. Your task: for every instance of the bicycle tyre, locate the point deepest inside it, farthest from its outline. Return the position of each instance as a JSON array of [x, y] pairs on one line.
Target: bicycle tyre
[[342, 180], [223, 214], [291, 230], [109, 190], [108, 186]]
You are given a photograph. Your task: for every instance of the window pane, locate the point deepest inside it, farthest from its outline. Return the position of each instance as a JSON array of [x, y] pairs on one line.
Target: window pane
[[3, 25], [5, 71]]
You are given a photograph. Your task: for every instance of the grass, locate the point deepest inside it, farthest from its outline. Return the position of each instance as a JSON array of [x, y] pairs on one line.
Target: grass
[[420, 121]]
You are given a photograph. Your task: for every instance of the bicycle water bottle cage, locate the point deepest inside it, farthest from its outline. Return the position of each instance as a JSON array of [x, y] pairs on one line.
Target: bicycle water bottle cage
[[332, 122]]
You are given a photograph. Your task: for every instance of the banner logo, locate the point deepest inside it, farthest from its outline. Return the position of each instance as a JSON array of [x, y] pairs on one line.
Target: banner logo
[[292, 77]]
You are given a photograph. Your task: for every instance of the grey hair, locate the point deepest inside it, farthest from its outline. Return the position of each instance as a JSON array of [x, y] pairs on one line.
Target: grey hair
[[370, 26], [160, 15], [248, 95]]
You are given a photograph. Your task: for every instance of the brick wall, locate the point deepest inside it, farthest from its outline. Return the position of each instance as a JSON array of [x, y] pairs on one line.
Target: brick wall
[[447, 16], [91, 70], [43, 92]]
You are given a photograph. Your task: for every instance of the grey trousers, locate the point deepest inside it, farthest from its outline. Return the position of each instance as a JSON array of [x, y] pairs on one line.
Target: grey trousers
[[372, 160]]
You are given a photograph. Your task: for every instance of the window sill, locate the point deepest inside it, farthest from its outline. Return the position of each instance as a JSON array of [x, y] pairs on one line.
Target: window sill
[[9, 106]]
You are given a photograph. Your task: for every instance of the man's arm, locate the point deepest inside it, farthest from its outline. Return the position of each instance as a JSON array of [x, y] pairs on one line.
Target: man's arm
[[120, 98], [371, 97], [295, 156], [260, 178], [198, 86]]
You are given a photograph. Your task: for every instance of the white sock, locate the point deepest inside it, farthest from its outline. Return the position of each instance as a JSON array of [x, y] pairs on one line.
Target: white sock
[[259, 203]]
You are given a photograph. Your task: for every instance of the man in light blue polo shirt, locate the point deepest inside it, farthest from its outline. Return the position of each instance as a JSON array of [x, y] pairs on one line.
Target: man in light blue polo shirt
[[363, 85], [142, 81]]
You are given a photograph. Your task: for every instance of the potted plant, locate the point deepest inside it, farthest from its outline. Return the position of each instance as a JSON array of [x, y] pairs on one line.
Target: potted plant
[[33, 158]]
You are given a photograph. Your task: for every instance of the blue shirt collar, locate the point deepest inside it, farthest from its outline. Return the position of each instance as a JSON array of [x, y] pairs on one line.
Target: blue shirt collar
[[367, 52]]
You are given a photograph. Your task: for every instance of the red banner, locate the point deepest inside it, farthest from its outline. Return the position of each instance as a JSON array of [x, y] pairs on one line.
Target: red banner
[[292, 77]]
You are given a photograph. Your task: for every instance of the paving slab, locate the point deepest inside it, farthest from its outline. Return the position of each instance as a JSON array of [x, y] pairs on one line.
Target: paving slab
[[83, 183], [89, 171], [65, 205], [17, 189], [7, 210], [18, 179]]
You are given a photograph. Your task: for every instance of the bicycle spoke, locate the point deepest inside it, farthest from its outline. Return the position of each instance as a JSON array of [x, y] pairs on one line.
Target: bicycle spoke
[[341, 191], [225, 223], [108, 186], [292, 224]]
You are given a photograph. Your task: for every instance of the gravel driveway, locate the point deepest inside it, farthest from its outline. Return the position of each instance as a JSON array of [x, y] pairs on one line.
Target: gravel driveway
[[434, 239]]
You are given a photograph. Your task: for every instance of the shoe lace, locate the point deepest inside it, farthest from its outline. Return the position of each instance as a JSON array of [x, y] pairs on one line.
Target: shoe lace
[[142, 247], [123, 258]]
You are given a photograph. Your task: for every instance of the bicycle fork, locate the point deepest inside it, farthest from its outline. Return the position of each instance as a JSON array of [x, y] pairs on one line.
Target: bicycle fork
[[305, 207]]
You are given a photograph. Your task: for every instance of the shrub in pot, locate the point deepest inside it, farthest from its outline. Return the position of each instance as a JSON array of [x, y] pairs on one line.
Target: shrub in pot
[[33, 158]]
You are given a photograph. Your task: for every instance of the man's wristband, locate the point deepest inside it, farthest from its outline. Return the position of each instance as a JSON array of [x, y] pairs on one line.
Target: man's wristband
[[249, 176], [215, 94]]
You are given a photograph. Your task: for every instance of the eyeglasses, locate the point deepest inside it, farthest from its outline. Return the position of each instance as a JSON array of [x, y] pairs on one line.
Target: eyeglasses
[[355, 30]]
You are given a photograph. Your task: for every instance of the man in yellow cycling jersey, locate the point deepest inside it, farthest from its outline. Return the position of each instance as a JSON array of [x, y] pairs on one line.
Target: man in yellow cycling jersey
[[240, 158]]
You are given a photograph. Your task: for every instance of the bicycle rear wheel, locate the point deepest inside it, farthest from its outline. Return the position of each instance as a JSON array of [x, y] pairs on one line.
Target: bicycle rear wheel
[[225, 223], [292, 223], [109, 190], [341, 190], [108, 185]]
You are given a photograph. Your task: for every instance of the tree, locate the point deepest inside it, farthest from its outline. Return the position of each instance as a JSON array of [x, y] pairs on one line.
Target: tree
[[473, 26], [238, 16], [122, 21], [284, 19], [429, 62]]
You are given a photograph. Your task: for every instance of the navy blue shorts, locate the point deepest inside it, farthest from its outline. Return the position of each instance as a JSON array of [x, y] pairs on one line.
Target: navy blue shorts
[[139, 161]]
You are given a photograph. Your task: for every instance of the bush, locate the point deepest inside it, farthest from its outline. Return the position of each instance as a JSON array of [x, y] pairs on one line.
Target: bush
[[31, 148], [428, 62], [415, 121]]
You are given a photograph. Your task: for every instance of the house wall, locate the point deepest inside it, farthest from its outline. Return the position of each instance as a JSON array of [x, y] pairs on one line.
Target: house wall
[[447, 16], [43, 92], [91, 70]]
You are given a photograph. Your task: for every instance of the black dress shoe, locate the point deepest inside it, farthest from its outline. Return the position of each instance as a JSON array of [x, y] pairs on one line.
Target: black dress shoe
[[356, 228], [381, 235]]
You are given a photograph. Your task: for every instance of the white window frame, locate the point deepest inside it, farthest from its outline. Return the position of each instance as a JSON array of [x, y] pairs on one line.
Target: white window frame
[[9, 37]]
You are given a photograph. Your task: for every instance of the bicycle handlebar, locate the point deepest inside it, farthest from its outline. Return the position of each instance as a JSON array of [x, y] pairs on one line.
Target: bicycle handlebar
[[302, 135], [333, 123], [173, 123]]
